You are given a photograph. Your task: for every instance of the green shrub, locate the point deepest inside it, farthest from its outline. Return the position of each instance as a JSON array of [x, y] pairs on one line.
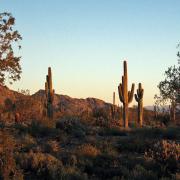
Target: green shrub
[[172, 133], [72, 126], [112, 132], [132, 144], [139, 173], [38, 129]]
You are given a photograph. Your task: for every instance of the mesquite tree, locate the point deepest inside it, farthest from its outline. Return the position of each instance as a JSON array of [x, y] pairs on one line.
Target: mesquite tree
[[170, 88], [9, 42]]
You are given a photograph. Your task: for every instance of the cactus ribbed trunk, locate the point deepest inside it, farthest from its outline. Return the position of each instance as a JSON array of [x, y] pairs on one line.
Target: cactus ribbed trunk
[[114, 107], [125, 96], [49, 94], [125, 115], [114, 96], [140, 113], [139, 99]]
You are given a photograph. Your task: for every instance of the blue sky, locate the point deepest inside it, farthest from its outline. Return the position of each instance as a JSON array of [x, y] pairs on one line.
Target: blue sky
[[86, 41]]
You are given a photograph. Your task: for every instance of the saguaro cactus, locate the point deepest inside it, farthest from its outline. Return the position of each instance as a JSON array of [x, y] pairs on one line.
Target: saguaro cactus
[[139, 99], [49, 91], [125, 96], [113, 108]]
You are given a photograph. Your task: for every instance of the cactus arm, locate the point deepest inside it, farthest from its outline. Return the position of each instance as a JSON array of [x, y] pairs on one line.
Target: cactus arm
[[136, 98], [125, 96], [46, 89], [120, 93], [139, 99], [131, 94]]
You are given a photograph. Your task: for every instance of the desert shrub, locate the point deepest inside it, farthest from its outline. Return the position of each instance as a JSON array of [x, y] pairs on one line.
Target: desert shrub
[[139, 172], [43, 165], [105, 167], [102, 116], [72, 126], [133, 144], [147, 132], [27, 143], [107, 146], [166, 153], [163, 118], [69, 159], [51, 146], [8, 167], [112, 132], [171, 133], [156, 133], [72, 173], [2, 124], [38, 129], [22, 129], [87, 150]]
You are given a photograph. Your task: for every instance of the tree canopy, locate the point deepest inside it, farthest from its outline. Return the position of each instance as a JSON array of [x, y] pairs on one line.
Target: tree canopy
[[170, 87], [9, 41], [170, 90]]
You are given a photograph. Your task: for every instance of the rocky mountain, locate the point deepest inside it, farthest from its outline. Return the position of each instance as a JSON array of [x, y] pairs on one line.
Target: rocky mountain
[[33, 106]]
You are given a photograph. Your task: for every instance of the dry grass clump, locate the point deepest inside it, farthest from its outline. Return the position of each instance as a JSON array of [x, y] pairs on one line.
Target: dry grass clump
[[44, 165], [8, 167], [88, 150], [166, 153], [52, 146], [164, 150]]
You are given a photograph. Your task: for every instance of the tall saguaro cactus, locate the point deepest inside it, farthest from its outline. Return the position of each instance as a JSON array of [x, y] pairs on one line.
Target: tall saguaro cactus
[[125, 96], [139, 99], [113, 108], [49, 94]]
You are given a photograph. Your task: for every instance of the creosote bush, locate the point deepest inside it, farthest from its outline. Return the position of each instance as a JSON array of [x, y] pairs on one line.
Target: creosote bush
[[72, 126], [8, 166], [167, 153], [88, 150]]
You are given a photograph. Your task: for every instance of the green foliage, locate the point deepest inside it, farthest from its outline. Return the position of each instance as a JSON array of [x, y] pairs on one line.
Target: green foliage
[[169, 88], [9, 63]]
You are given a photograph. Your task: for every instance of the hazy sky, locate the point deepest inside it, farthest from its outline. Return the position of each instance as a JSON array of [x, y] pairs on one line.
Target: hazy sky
[[86, 41]]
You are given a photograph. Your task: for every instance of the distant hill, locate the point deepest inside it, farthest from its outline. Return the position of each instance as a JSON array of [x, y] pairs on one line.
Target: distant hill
[[69, 105], [32, 107], [5, 93]]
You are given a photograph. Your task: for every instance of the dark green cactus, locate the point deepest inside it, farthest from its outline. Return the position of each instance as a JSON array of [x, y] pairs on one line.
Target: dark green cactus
[[139, 99], [49, 91], [125, 96]]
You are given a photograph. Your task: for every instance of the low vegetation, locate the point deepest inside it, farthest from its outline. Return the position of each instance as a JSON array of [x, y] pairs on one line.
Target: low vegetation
[[73, 149]]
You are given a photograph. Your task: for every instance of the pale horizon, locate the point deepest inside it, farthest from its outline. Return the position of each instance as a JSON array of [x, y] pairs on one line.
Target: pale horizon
[[86, 42]]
